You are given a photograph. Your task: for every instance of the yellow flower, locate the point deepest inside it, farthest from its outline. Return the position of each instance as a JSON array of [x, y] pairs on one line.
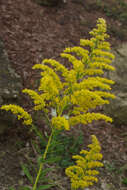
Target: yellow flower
[[87, 43], [62, 103], [49, 78], [101, 53], [101, 65], [88, 118], [93, 164], [92, 172], [78, 50], [104, 46], [77, 64], [39, 100], [100, 32], [82, 174], [19, 111], [93, 82], [56, 65], [101, 59], [48, 85], [71, 77], [77, 90], [60, 122], [87, 99], [91, 72]]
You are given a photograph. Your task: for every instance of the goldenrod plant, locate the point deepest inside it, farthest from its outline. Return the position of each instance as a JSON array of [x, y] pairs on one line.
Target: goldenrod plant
[[68, 96], [83, 173]]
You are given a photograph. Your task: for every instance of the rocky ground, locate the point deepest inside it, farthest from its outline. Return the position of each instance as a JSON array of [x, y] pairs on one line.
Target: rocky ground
[[30, 33]]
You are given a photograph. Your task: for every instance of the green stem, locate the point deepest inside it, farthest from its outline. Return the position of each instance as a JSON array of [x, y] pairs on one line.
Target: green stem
[[41, 165]]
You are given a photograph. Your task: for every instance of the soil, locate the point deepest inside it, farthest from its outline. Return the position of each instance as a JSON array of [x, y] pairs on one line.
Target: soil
[[32, 32]]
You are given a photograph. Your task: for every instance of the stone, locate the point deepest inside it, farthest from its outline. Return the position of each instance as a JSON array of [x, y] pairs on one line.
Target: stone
[[10, 85], [117, 108]]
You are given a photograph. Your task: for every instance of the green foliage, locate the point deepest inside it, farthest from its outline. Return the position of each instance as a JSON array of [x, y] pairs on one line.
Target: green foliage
[[124, 181], [25, 188], [42, 187], [63, 147], [117, 32], [30, 170], [11, 188], [116, 9], [27, 173]]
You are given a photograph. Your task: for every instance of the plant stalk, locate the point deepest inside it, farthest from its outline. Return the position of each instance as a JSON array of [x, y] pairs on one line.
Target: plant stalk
[[41, 164]]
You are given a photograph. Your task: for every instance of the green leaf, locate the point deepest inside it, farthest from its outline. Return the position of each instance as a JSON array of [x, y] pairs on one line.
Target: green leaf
[[38, 133], [124, 181], [27, 173], [45, 187], [46, 170], [45, 180], [11, 188], [52, 160], [43, 173], [25, 188], [32, 166]]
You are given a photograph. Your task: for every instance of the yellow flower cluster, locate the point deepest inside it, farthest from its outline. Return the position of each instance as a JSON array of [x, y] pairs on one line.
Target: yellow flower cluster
[[50, 82], [100, 56], [62, 104], [89, 43], [77, 64], [103, 53], [83, 173], [60, 123], [19, 111], [100, 32], [56, 65], [101, 66], [39, 100], [87, 99], [87, 118], [75, 91], [78, 50], [93, 82]]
